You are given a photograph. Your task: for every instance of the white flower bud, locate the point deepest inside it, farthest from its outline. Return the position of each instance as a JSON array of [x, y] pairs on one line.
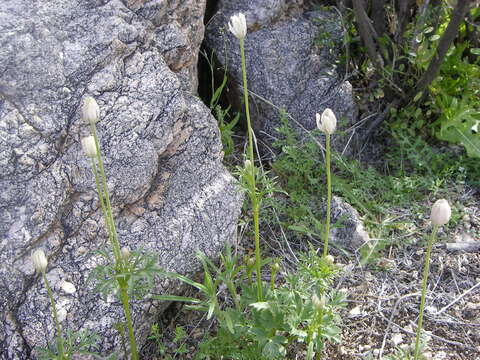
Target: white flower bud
[[319, 303], [68, 287], [238, 26], [89, 146], [329, 259], [441, 212], [125, 252], [90, 111], [62, 314], [39, 261], [327, 122], [275, 267]]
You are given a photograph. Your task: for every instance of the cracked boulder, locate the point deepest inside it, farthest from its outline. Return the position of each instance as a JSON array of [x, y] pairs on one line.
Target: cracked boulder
[[170, 192], [292, 58]]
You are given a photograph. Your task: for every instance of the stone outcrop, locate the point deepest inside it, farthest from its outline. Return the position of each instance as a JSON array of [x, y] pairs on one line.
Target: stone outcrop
[[347, 231], [170, 192], [291, 60]]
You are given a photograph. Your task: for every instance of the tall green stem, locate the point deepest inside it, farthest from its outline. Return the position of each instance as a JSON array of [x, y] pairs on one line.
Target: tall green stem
[[256, 211], [102, 202], [319, 334], [316, 326], [128, 316], [109, 215], [247, 111], [426, 270], [329, 196], [121, 263], [253, 190], [60, 347]]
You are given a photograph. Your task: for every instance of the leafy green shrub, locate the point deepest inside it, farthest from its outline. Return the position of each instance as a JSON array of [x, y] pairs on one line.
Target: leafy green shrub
[[454, 99], [286, 317]]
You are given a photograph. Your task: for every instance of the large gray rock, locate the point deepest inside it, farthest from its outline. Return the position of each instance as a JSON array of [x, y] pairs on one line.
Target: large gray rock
[[170, 192], [291, 64], [347, 231]]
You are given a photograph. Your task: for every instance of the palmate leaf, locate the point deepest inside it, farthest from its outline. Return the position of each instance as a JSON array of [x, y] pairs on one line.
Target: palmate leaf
[[459, 125], [275, 348]]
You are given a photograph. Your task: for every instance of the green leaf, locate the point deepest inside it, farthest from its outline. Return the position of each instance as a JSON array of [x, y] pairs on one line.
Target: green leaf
[[186, 280], [475, 51], [417, 97], [211, 309], [457, 124], [229, 322], [176, 298], [274, 348], [428, 30], [218, 92]]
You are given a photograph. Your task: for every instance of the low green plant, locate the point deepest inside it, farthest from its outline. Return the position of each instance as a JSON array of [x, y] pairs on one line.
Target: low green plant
[[299, 171], [413, 171], [226, 122], [178, 340], [405, 353], [75, 343], [288, 316]]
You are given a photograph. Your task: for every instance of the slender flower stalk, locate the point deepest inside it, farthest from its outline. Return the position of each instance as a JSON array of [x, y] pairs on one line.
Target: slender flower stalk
[[91, 145], [40, 263], [440, 215], [327, 123], [104, 191], [128, 316], [329, 197], [238, 27], [60, 345], [273, 276]]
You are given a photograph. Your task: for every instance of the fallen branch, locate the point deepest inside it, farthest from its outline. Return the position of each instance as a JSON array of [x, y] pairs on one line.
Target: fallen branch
[[436, 337], [463, 246], [457, 299]]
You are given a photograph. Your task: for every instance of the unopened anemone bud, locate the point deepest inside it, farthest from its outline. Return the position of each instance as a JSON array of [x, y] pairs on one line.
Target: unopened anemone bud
[[248, 165], [275, 267], [318, 303], [327, 122], [329, 259], [238, 26], [89, 146], [39, 260], [90, 110], [441, 212], [125, 252]]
